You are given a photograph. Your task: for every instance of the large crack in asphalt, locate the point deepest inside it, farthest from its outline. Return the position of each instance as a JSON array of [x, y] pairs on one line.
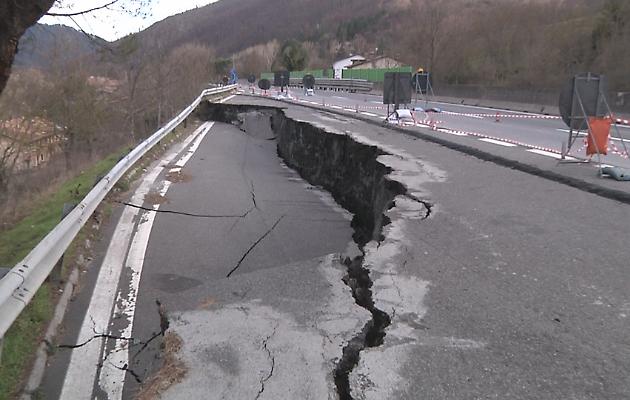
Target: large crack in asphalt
[[373, 332], [132, 342], [185, 213], [350, 171], [253, 246]]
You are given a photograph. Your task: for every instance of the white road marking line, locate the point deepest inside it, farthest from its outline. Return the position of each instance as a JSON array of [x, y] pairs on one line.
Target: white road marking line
[[336, 107], [452, 132], [487, 108], [182, 161], [81, 372], [227, 98], [369, 114], [548, 154], [113, 373], [112, 376], [497, 142], [312, 102], [461, 114]]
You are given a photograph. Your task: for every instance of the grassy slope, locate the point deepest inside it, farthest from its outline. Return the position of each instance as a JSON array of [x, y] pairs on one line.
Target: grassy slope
[[23, 337]]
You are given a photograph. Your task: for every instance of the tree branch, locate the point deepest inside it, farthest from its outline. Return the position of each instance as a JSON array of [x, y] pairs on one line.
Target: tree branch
[[74, 14]]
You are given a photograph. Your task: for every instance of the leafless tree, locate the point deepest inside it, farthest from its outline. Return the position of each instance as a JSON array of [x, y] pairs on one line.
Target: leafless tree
[[16, 16]]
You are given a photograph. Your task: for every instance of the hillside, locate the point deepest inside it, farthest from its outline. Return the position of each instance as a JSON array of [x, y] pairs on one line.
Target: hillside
[[510, 43], [43, 45], [233, 25]]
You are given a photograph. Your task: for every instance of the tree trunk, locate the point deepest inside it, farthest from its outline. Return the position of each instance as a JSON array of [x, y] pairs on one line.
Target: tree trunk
[[16, 16]]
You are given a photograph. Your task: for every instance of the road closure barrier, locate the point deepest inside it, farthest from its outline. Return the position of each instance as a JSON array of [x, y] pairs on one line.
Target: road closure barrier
[[599, 133]]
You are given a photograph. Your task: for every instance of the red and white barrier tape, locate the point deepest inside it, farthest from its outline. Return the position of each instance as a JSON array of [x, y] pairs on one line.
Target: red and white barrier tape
[[497, 115]]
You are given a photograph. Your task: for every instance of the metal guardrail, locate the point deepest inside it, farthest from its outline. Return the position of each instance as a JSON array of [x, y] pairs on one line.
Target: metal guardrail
[[20, 284], [346, 85]]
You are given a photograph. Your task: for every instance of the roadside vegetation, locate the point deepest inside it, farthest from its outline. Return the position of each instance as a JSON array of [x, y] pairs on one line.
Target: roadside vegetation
[[26, 333], [61, 128], [532, 44], [22, 339]]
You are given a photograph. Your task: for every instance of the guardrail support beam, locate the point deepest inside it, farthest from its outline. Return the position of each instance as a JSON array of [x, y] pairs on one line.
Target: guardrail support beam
[[57, 273]]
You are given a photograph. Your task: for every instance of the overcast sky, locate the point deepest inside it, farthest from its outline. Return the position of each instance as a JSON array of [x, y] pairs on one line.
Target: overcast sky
[[113, 23]]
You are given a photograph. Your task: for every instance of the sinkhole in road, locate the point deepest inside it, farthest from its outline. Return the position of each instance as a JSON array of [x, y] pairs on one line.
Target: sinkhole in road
[[351, 172]]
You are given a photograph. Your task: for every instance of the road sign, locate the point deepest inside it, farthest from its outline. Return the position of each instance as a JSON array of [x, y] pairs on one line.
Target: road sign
[[396, 88], [581, 98], [264, 84], [251, 78], [281, 78], [308, 81]]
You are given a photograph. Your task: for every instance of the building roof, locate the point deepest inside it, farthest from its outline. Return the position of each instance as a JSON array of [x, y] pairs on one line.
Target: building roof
[[349, 61], [365, 61]]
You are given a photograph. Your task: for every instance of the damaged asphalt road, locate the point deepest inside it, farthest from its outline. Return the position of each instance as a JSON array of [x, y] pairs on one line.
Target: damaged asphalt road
[[456, 278], [497, 283]]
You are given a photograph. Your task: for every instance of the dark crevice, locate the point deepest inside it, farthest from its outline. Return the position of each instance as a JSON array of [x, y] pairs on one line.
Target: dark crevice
[[351, 173], [96, 336], [144, 344], [551, 175], [186, 214], [253, 194], [373, 332], [130, 372], [272, 360], [428, 206]]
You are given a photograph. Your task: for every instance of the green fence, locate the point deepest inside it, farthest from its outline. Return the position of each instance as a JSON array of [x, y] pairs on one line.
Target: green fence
[[372, 75], [317, 73]]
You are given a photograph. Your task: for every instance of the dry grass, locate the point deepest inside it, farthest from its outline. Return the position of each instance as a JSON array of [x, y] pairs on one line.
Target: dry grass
[[207, 303], [173, 370], [178, 177], [155, 198]]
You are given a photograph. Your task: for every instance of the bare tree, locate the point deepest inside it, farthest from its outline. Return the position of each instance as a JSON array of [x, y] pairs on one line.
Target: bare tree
[[19, 107], [16, 16]]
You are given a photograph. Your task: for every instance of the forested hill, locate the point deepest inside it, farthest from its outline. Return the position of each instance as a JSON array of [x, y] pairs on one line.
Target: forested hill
[[43, 45], [512, 43], [532, 43]]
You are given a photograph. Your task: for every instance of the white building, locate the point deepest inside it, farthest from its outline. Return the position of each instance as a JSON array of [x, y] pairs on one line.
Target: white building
[[340, 65]]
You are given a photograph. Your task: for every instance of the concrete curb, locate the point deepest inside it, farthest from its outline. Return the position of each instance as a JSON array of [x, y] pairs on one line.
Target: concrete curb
[[39, 367]]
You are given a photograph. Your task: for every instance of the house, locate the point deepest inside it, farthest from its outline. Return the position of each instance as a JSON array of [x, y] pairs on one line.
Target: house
[[28, 143], [340, 65], [376, 63]]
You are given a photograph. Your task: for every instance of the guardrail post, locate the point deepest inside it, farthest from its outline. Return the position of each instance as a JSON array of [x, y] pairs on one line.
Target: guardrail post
[[56, 274], [3, 272]]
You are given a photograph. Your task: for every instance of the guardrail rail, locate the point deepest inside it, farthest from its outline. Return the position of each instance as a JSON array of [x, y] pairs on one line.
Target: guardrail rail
[[20, 284], [345, 85]]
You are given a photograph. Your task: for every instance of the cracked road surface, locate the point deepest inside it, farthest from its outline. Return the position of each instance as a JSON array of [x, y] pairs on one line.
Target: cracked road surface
[[496, 283], [284, 313]]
